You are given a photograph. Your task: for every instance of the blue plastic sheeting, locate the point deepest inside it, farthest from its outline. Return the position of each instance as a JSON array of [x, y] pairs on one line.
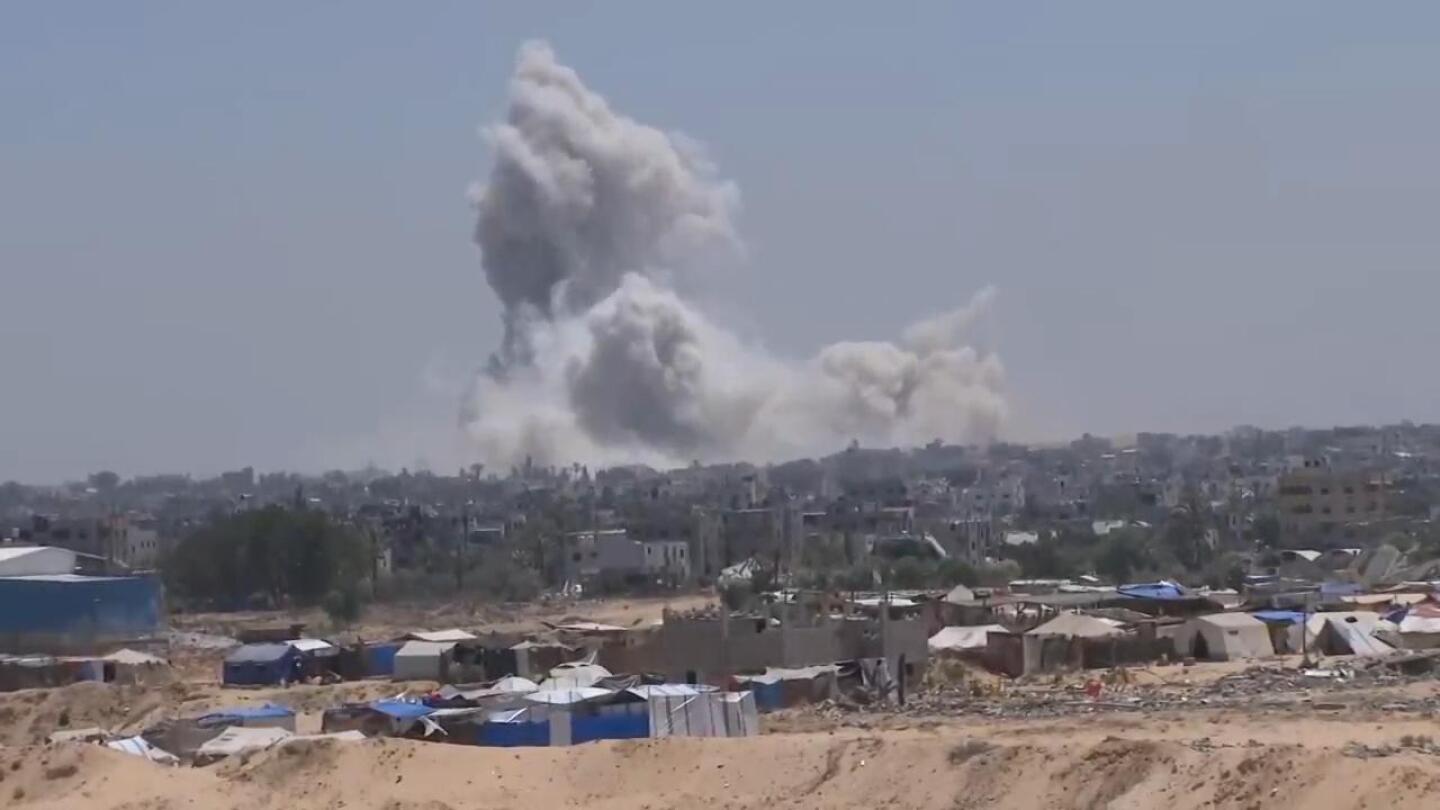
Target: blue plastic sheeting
[[252, 665], [401, 709], [769, 697], [1279, 616], [99, 607], [1341, 588], [268, 711], [515, 735], [612, 727], [1152, 590], [380, 659]]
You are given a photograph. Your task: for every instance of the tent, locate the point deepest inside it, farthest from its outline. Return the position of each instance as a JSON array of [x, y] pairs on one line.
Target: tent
[[422, 660], [262, 665], [957, 639], [239, 740], [679, 710], [266, 715], [1416, 628], [1347, 633], [575, 676], [1078, 624], [138, 746], [1224, 637]]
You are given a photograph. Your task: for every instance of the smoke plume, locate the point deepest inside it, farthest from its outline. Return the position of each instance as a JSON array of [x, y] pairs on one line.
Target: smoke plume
[[585, 216]]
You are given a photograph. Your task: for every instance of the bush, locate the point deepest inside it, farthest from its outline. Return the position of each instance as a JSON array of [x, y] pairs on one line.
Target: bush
[[344, 604]]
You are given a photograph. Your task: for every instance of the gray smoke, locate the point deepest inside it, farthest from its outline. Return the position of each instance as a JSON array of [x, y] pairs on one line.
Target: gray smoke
[[583, 217]]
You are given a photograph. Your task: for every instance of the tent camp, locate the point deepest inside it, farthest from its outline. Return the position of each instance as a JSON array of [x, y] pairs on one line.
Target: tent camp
[[262, 665], [1078, 624], [452, 635], [1224, 637], [422, 660], [959, 639]]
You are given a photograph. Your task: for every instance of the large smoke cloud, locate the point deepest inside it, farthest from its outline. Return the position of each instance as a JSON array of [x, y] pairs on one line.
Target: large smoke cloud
[[583, 218]]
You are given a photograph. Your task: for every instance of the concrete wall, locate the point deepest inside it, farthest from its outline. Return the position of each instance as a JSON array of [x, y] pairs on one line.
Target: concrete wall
[[682, 647]]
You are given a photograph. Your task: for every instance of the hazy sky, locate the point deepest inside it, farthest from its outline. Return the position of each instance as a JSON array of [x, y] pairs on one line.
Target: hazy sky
[[239, 234]]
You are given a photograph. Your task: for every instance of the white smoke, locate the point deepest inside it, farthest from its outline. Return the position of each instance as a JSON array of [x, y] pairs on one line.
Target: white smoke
[[583, 216]]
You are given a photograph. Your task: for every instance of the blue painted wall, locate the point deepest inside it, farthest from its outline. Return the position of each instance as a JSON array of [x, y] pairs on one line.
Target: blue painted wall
[[35, 612]]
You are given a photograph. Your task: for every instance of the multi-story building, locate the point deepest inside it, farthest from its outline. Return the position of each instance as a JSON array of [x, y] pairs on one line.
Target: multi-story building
[[1316, 498]]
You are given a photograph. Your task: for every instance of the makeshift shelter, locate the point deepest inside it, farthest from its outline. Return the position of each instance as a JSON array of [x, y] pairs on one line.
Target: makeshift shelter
[[960, 639], [262, 665], [139, 747], [1078, 625], [134, 667], [1416, 627], [1288, 634], [679, 710], [266, 715], [1347, 633], [533, 658], [452, 635], [783, 687], [577, 675], [239, 740], [1224, 637], [422, 661]]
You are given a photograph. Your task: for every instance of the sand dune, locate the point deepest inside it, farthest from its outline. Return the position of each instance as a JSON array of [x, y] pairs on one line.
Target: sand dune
[[1187, 763]]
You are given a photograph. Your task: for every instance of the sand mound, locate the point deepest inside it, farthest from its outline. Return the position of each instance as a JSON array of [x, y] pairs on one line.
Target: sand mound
[[32, 715], [1067, 767]]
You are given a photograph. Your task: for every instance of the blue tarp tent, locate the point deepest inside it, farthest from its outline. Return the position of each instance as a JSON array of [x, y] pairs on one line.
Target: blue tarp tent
[[1279, 616], [262, 664], [380, 658], [262, 716], [1152, 590]]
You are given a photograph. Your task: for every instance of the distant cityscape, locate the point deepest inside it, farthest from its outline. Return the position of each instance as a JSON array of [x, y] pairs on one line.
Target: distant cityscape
[[1252, 500]]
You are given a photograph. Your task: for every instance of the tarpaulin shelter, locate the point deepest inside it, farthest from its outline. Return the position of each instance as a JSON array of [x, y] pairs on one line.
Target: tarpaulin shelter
[[262, 665], [574, 676], [959, 639], [1417, 627], [140, 747], [266, 715], [679, 710]]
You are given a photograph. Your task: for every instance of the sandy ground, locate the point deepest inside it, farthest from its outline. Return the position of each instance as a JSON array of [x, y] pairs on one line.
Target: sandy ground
[[1176, 762]]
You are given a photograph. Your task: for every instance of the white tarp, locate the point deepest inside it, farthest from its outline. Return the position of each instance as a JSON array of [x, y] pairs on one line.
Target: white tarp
[[452, 635], [1078, 624], [974, 637], [237, 740], [137, 746]]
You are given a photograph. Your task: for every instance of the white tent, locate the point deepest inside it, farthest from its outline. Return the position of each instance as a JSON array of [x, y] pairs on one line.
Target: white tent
[[975, 637], [574, 676], [1078, 624], [137, 746], [421, 660], [1224, 637], [1348, 633]]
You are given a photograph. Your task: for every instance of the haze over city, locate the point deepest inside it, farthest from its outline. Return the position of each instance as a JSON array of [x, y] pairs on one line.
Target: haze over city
[[227, 245]]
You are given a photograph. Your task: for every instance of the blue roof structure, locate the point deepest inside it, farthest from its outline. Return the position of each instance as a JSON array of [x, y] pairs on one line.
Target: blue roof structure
[[1152, 590], [1279, 616], [265, 711], [401, 709]]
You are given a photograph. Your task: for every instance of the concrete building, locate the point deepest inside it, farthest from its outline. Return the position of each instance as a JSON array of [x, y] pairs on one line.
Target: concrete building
[[1316, 498], [603, 553], [669, 559]]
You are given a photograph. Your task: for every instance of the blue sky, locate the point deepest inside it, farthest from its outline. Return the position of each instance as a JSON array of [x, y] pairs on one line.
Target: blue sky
[[238, 234]]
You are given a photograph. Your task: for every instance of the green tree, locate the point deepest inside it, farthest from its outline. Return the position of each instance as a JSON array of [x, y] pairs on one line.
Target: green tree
[[276, 554]]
